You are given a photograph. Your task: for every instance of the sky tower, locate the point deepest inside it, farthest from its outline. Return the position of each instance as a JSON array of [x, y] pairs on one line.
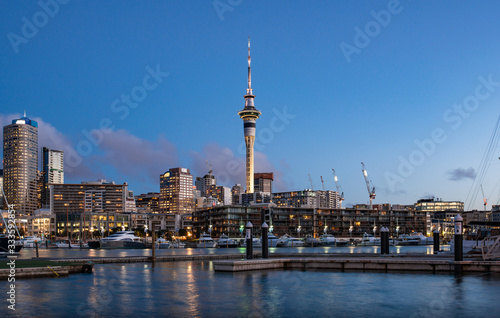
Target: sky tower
[[249, 114]]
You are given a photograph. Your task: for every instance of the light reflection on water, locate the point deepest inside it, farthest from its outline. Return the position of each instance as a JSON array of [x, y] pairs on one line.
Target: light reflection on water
[[193, 289]]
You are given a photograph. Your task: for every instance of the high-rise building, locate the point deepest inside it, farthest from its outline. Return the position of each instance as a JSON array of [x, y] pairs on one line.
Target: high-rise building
[[20, 164], [224, 195], [263, 182], [236, 191], [249, 114], [149, 201], [176, 191], [95, 204], [206, 185], [1, 188], [53, 171]]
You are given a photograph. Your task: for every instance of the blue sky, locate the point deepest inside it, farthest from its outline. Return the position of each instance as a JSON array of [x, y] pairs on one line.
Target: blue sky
[[337, 83]]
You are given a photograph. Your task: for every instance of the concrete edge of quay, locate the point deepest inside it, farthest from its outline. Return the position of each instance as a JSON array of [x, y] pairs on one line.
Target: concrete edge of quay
[[360, 264]]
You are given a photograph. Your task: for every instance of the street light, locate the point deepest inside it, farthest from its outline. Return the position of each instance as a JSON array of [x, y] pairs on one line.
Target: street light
[[397, 230], [350, 231], [326, 228], [374, 230], [298, 230]]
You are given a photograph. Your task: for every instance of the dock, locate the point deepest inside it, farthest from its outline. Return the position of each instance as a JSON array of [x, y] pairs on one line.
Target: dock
[[43, 268], [366, 264]]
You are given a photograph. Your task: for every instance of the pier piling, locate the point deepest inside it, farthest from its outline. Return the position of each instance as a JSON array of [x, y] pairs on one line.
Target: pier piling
[[436, 241], [249, 239], [265, 242]]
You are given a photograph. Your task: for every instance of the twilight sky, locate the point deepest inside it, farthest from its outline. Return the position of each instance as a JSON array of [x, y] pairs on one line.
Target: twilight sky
[[129, 89]]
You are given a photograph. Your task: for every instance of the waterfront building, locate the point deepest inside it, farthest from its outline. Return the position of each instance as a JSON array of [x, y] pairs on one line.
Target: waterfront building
[[20, 164], [224, 195], [249, 114], [176, 191], [52, 172], [263, 182], [328, 199], [295, 199], [255, 198], [236, 190], [42, 223], [1, 188], [149, 201], [304, 221], [495, 213], [432, 205], [89, 206], [206, 185]]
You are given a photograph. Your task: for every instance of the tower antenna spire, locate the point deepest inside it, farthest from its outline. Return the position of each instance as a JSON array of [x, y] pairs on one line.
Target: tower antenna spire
[[249, 69]]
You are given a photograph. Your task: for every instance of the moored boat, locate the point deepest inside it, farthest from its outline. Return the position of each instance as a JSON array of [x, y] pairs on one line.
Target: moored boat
[[369, 240], [206, 241], [226, 242], [123, 239]]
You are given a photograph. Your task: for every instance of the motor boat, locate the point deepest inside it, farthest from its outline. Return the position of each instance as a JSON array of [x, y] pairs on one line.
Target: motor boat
[[328, 240], [29, 241], [178, 244], [71, 244], [290, 241], [311, 241], [226, 242], [162, 243], [206, 241], [5, 249], [405, 239], [123, 239], [423, 240], [369, 240]]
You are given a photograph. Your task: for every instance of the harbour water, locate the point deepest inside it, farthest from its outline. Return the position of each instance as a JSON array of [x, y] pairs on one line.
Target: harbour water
[[194, 289], [76, 252]]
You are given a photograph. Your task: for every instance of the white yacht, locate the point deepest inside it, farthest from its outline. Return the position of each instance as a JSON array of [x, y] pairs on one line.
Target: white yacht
[[162, 243], [29, 241], [71, 244], [290, 241], [423, 240], [405, 239], [178, 244], [123, 239], [206, 241], [328, 240], [226, 242], [369, 240]]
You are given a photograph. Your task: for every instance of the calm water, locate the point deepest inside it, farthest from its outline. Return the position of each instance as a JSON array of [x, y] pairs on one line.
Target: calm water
[[75, 252], [193, 289]]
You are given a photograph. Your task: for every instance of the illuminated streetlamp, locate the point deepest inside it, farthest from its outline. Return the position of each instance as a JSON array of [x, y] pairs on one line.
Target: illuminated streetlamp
[[350, 231], [397, 231], [298, 230], [326, 228], [374, 230]]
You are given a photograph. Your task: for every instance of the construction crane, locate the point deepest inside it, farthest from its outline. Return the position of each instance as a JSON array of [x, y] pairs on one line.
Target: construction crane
[[339, 188], [322, 182], [484, 198], [209, 171], [369, 185], [310, 180]]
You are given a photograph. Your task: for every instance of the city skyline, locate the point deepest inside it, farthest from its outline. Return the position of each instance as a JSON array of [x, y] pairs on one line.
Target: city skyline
[[337, 84]]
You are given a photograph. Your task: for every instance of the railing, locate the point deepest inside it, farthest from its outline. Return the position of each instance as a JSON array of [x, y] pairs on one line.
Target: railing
[[490, 248]]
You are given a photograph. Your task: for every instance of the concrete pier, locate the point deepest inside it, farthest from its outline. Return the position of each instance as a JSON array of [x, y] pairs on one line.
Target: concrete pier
[[359, 264]]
